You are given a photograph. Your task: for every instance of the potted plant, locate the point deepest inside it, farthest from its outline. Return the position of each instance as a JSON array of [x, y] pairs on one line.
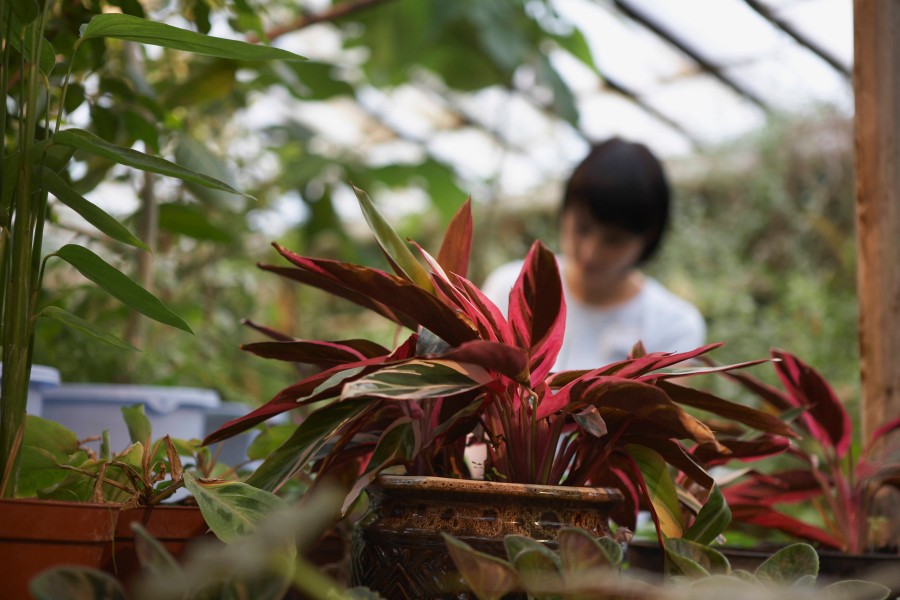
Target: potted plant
[[824, 470], [467, 371], [37, 150], [589, 567]]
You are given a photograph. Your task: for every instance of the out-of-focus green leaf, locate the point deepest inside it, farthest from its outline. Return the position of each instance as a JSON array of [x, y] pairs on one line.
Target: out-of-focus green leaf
[[135, 29], [39, 470], [155, 560], [84, 140], [75, 583], [139, 429], [576, 45], [25, 11], [581, 552], [790, 564], [139, 128], [91, 213], [232, 509], [489, 577], [199, 158], [86, 327], [191, 221], [563, 98], [119, 285], [857, 590], [268, 441], [51, 436], [693, 560]]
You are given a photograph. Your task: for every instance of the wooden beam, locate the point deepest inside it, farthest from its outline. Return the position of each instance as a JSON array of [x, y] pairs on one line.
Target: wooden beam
[[647, 21], [876, 32], [767, 13]]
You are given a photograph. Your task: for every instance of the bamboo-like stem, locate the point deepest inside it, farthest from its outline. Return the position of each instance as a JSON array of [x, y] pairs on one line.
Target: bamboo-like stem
[[17, 317]]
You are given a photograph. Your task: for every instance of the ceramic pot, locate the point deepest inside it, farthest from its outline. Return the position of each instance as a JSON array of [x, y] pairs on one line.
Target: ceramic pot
[[397, 547], [36, 535]]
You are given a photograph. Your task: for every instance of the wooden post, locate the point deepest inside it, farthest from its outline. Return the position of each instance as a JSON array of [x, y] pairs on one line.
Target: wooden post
[[876, 84]]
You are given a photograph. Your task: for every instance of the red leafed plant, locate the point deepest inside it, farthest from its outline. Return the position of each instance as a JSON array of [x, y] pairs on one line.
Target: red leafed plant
[[467, 372], [826, 471]]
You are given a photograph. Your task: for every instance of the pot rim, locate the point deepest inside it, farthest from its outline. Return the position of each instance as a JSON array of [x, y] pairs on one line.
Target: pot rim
[[446, 485]]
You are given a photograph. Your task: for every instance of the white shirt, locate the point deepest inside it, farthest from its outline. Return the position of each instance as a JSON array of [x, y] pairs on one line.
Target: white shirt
[[598, 336]]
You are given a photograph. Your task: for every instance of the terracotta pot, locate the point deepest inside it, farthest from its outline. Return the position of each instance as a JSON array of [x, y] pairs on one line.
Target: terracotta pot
[[173, 526], [397, 547], [38, 534]]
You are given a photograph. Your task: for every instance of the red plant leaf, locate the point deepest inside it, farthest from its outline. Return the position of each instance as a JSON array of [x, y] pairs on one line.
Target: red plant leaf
[[457, 245], [487, 310], [784, 487], [636, 367], [275, 335], [643, 401], [327, 284], [537, 311], [493, 356], [827, 419], [676, 455], [320, 353], [398, 294], [719, 406], [882, 431], [743, 450], [764, 516]]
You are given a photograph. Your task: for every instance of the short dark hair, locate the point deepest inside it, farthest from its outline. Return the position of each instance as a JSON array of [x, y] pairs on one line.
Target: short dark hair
[[623, 184]]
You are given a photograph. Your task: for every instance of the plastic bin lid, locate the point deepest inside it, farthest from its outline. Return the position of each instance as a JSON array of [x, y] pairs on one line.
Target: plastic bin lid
[[159, 398], [41, 375]]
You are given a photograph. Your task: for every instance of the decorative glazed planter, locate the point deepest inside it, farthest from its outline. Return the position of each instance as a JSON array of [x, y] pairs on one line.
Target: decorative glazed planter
[[397, 547], [36, 535]]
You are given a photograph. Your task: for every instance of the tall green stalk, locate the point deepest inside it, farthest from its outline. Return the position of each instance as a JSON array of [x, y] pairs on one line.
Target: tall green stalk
[[18, 314]]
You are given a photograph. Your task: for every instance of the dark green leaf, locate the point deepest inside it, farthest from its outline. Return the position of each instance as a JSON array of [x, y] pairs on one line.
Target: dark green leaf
[[87, 141], [139, 429], [305, 442], [74, 97], [86, 327], [232, 509], [25, 11], [712, 519], [119, 285], [135, 29], [91, 213]]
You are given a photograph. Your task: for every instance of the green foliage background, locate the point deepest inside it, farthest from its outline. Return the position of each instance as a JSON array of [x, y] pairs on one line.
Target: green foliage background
[[762, 237]]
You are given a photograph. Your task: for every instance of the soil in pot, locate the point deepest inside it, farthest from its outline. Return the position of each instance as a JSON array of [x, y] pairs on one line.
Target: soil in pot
[[397, 547]]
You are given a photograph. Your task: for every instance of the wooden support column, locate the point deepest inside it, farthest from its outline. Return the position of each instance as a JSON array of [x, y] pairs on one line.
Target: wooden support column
[[876, 84]]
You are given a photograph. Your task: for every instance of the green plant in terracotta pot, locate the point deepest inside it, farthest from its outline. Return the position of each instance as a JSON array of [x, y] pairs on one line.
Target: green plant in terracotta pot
[[42, 85], [467, 374]]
